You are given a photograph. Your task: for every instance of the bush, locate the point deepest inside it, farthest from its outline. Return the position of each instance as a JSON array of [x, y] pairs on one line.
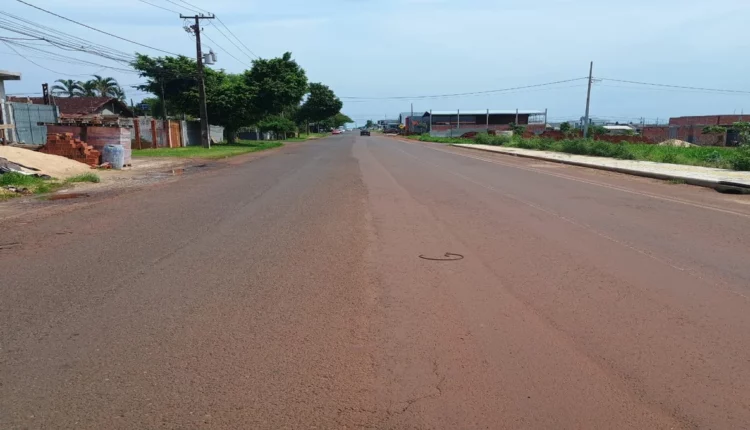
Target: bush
[[741, 160], [574, 146], [487, 139]]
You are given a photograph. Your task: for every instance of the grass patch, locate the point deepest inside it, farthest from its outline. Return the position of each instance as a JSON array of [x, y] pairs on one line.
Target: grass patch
[[675, 181], [86, 177], [33, 184], [221, 150], [428, 138], [705, 156]]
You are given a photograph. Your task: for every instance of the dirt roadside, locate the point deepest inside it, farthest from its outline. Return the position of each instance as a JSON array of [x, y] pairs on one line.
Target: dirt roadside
[[145, 173]]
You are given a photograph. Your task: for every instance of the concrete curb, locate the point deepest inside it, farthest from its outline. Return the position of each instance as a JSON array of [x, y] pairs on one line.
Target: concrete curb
[[723, 186]]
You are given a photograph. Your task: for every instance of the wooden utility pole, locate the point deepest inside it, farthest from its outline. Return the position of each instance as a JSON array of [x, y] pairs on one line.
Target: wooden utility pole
[[588, 102], [201, 84]]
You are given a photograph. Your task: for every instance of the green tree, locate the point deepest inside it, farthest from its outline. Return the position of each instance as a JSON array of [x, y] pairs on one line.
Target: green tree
[[336, 121], [597, 130], [743, 133], [177, 75], [230, 105], [278, 125], [565, 127], [517, 129], [369, 124], [66, 88], [276, 84], [321, 103]]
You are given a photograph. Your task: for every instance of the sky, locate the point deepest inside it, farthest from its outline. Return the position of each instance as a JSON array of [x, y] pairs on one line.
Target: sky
[[382, 56]]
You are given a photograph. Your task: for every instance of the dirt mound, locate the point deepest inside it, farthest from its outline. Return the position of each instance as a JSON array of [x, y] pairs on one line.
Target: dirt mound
[[47, 164], [676, 142]]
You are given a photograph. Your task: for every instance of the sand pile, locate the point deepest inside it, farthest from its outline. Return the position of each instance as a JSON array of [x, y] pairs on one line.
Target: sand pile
[[676, 142], [53, 165]]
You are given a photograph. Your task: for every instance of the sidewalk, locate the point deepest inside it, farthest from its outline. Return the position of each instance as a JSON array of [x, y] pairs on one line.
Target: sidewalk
[[695, 175]]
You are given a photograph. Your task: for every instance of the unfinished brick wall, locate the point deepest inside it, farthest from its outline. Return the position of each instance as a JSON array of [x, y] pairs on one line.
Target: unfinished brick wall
[[65, 145], [708, 120], [655, 134]]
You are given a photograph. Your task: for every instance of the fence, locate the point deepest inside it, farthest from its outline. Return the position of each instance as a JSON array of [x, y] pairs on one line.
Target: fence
[[148, 132], [23, 119]]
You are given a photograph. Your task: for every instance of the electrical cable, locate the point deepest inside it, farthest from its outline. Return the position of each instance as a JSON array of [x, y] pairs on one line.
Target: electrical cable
[[160, 7], [230, 41], [676, 86], [462, 94], [222, 48], [96, 29], [39, 65]]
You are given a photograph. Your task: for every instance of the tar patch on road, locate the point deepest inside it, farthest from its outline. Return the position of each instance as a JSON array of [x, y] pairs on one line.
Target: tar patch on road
[[446, 257]]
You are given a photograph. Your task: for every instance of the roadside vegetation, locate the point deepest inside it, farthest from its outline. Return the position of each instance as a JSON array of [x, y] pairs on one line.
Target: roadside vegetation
[[220, 150], [15, 184], [706, 156], [273, 96], [86, 177]]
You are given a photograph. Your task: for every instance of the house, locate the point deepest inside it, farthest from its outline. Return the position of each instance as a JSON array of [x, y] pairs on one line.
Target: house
[[619, 130], [457, 123], [83, 106]]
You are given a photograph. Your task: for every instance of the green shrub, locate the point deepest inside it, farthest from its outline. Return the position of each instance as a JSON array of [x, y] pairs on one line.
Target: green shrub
[[574, 146], [741, 160]]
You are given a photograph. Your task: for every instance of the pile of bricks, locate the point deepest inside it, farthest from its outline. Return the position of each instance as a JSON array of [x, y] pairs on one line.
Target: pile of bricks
[[64, 144]]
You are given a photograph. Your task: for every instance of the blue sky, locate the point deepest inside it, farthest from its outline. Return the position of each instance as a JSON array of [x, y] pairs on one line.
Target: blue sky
[[384, 48]]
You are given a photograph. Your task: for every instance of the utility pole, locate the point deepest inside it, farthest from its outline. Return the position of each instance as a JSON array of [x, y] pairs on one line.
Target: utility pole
[[588, 102], [411, 119], [201, 84]]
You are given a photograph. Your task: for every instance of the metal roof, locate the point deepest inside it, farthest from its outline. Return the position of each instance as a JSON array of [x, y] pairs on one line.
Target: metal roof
[[484, 112]]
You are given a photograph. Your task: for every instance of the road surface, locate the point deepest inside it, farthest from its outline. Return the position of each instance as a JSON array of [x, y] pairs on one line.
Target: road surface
[[289, 292]]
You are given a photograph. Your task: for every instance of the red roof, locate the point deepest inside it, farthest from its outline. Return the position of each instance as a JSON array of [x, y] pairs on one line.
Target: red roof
[[76, 105]]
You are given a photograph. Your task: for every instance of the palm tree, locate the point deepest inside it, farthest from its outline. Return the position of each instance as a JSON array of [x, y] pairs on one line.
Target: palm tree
[[106, 87], [66, 88], [118, 93], [86, 89]]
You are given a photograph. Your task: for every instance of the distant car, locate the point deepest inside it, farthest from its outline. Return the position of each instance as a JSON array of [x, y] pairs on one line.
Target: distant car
[[336, 131], [364, 132]]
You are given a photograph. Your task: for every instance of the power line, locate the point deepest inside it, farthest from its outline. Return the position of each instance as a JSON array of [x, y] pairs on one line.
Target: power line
[[677, 86], [192, 9], [37, 64], [200, 10], [225, 51], [96, 29], [66, 59], [160, 7], [61, 39], [463, 94], [230, 41], [238, 39]]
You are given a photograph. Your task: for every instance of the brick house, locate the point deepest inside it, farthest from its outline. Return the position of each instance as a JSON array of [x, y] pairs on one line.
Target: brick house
[[83, 106]]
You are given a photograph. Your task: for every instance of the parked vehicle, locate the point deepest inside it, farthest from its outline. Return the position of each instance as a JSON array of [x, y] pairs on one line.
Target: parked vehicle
[[336, 131]]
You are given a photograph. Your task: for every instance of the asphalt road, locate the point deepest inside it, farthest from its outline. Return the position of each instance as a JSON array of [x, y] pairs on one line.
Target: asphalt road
[[289, 292]]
